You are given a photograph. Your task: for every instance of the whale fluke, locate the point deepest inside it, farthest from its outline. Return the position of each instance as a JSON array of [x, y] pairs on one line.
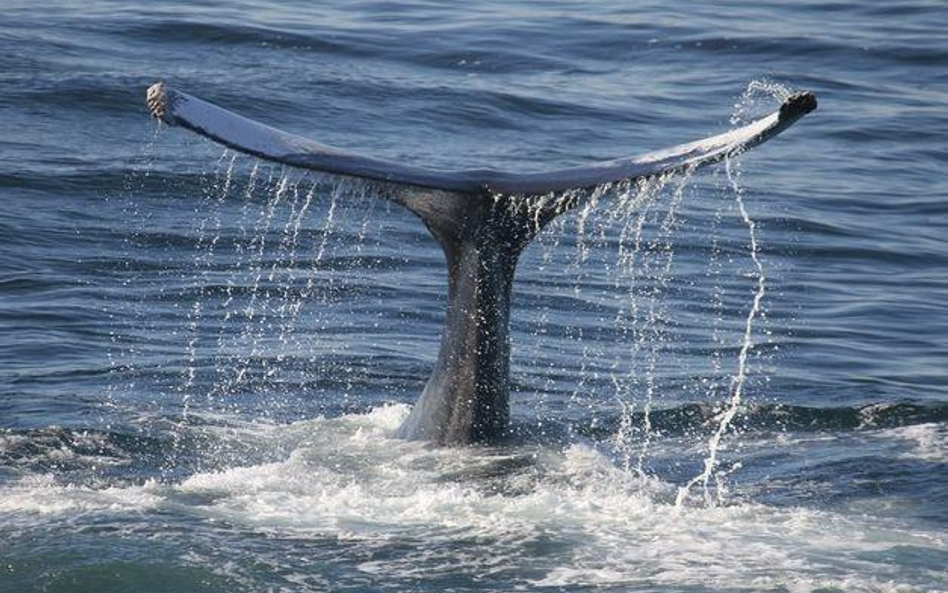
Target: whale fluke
[[258, 139], [469, 213]]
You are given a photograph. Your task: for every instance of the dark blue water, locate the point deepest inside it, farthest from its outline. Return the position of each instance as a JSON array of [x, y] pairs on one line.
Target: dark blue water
[[204, 358]]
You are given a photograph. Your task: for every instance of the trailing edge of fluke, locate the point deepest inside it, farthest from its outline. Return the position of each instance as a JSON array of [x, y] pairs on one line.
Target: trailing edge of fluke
[[466, 398]]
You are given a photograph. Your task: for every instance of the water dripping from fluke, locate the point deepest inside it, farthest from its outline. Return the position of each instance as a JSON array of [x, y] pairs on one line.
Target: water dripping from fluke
[[482, 221]]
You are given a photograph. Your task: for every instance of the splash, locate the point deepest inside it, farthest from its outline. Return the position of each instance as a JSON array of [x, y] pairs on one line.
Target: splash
[[266, 275], [758, 93]]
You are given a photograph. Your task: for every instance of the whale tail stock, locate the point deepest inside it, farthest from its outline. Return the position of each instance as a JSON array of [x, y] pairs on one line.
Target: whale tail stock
[[482, 219]]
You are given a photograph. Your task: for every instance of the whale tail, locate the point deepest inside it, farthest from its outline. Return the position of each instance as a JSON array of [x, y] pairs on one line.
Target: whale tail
[[482, 219]]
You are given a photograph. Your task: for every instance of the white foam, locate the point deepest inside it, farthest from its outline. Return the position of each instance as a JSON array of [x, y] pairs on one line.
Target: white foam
[[619, 531], [348, 479], [44, 495], [927, 442]]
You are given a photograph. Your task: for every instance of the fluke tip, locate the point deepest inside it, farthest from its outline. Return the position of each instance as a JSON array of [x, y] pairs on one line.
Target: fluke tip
[[157, 99], [798, 105]]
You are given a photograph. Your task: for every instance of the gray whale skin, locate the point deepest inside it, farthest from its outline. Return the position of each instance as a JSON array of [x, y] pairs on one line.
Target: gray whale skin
[[482, 219]]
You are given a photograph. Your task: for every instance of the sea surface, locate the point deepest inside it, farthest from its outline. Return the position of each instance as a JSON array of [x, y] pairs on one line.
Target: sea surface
[[735, 380]]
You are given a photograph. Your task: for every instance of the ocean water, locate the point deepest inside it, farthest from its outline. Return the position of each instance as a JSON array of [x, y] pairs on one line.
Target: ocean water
[[204, 357]]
